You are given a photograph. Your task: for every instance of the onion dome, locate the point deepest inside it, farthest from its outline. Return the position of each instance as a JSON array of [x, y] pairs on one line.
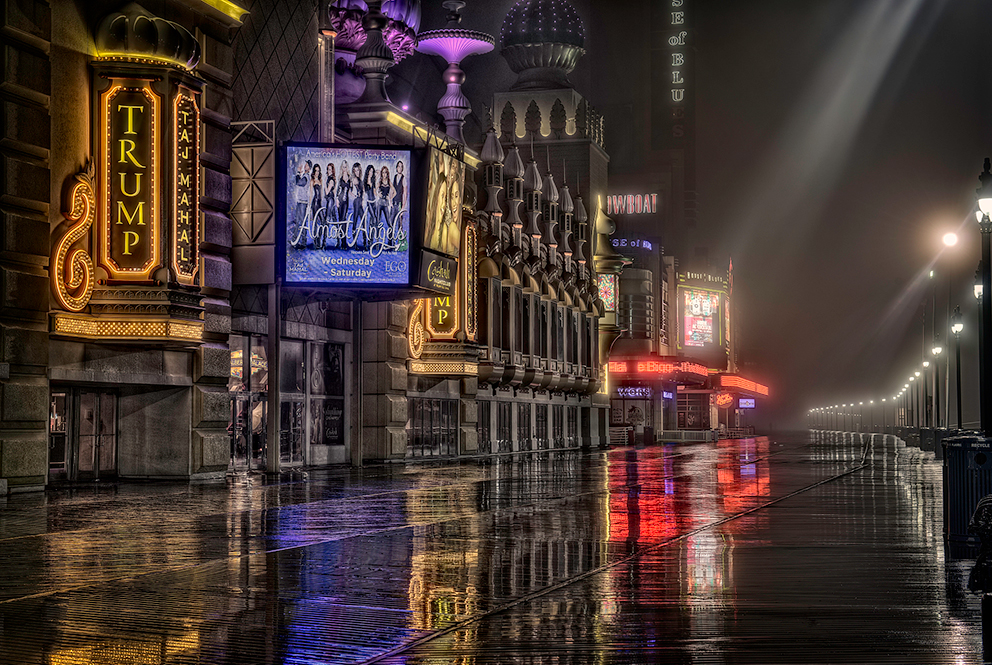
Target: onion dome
[[492, 151], [514, 167], [532, 177], [400, 32], [565, 203], [542, 42], [134, 32], [550, 189], [581, 216]]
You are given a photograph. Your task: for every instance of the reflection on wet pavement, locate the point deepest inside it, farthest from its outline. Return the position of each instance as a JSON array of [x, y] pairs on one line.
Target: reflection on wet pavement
[[740, 551]]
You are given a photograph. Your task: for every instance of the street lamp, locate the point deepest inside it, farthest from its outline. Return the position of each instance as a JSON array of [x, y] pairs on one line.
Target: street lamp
[[936, 351], [925, 410], [984, 195], [957, 325]]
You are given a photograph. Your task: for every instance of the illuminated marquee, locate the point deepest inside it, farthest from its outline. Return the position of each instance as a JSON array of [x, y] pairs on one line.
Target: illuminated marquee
[[657, 367], [729, 381], [471, 295], [186, 160], [643, 392], [632, 204], [128, 224], [72, 272]]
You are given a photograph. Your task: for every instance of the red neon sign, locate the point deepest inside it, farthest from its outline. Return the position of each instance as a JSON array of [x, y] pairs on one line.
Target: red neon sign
[[657, 367], [743, 384]]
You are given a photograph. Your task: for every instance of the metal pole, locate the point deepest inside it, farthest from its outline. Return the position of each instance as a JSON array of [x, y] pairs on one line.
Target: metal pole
[[984, 394], [358, 415], [274, 424], [957, 372], [936, 392]]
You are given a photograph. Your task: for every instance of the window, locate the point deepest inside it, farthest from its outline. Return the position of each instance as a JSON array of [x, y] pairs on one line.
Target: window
[[573, 426], [504, 426], [433, 427], [291, 370], [541, 428], [523, 426], [558, 425], [525, 326], [484, 427]]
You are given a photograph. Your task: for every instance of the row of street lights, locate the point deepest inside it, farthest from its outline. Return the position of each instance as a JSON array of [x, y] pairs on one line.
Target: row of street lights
[[913, 393]]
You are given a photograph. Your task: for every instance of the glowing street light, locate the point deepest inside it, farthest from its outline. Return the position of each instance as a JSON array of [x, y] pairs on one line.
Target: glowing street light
[[950, 239], [957, 325]]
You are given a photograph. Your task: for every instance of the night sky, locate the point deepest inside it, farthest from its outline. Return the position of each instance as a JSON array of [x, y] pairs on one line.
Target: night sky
[[836, 143]]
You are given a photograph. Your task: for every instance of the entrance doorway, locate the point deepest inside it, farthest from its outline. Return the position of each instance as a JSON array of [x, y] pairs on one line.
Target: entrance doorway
[[82, 442], [248, 416]]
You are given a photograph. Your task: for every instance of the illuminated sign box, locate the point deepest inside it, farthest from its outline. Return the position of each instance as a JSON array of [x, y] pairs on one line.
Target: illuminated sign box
[[635, 392], [658, 368], [731, 381], [345, 215], [745, 403]]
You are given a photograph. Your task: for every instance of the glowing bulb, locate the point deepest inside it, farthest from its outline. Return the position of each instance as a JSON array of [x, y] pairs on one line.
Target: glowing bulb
[[950, 239]]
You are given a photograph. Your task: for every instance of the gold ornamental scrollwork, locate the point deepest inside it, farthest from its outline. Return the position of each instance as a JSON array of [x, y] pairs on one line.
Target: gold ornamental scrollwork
[[417, 334], [72, 272]]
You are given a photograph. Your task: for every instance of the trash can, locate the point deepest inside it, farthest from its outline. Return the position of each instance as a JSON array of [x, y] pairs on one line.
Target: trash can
[[926, 439], [967, 472], [648, 435]]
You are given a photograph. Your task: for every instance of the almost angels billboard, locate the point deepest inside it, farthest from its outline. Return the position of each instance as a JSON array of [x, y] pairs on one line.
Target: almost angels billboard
[[346, 215]]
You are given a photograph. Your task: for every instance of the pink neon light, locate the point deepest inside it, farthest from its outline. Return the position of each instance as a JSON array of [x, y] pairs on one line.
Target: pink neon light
[[728, 381]]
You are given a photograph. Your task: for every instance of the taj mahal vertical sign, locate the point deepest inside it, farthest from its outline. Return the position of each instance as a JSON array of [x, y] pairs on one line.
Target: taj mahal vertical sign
[[186, 165]]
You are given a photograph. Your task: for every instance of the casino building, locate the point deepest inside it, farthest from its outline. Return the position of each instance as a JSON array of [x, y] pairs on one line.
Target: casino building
[[179, 303]]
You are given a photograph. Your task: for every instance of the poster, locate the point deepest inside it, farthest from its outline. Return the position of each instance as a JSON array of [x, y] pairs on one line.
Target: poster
[[445, 182], [347, 215], [700, 309]]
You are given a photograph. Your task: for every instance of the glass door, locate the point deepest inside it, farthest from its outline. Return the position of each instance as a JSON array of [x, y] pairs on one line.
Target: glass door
[[96, 444]]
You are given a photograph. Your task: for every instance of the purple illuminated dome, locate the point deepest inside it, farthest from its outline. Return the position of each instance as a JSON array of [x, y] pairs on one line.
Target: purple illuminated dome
[[399, 33], [542, 42]]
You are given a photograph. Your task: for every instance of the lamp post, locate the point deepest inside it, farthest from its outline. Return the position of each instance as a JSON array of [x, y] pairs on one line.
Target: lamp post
[[936, 351], [926, 410], [957, 325], [984, 194]]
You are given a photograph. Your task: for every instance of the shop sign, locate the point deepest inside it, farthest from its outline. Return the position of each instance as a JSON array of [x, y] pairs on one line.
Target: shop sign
[[438, 273], [641, 392], [186, 160], [745, 403], [128, 223]]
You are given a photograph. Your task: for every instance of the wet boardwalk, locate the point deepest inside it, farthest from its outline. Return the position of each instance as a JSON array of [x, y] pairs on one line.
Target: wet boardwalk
[[751, 551]]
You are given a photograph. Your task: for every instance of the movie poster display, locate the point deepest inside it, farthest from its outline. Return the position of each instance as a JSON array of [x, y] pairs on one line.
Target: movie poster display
[[445, 183], [700, 313], [347, 215]]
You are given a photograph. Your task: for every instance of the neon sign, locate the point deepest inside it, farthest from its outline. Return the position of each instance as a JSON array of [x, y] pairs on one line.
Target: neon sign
[[724, 400], [632, 242], [730, 381], [667, 395], [642, 392], [632, 204], [128, 221], [186, 165], [657, 367], [72, 273], [745, 403]]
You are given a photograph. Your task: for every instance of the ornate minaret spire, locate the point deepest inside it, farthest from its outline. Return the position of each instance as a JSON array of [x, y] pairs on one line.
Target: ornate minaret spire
[[565, 223], [532, 199], [581, 231], [374, 57], [492, 157], [549, 210], [514, 173]]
